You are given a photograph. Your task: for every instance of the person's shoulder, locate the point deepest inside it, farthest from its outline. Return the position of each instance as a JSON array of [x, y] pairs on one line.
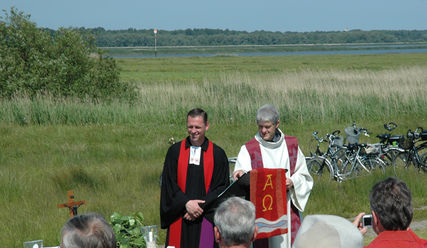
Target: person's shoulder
[[377, 244], [291, 138], [217, 148], [382, 240], [418, 239], [244, 147], [174, 148]]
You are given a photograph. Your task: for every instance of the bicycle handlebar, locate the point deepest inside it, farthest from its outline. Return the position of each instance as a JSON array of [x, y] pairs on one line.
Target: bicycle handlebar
[[336, 132], [390, 126], [364, 131], [317, 137], [414, 134]]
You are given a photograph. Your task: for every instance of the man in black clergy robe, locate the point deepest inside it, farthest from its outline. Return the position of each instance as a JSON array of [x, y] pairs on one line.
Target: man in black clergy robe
[[195, 172]]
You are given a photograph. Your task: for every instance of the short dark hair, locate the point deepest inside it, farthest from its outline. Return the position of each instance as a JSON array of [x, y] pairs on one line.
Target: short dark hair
[[88, 230], [391, 200], [198, 112]]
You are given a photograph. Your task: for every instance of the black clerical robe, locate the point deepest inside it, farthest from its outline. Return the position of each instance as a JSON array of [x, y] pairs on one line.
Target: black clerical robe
[[173, 199]]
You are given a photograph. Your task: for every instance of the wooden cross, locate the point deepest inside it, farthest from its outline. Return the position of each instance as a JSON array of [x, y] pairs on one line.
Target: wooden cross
[[71, 204]]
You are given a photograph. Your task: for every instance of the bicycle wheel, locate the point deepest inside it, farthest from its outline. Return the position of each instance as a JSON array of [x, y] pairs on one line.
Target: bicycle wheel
[[401, 160], [319, 167], [371, 164], [394, 157], [338, 158], [422, 153], [423, 159], [344, 164], [389, 155]]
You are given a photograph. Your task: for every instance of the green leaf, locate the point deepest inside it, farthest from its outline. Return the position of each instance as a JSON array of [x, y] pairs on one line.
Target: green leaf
[[117, 228], [128, 230], [135, 232], [132, 221], [115, 216], [139, 242]]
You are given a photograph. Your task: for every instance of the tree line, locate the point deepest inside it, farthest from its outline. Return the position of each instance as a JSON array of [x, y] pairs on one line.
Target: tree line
[[215, 37]]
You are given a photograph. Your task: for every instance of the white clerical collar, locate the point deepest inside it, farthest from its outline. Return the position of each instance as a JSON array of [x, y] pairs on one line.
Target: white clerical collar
[[270, 144], [195, 152]]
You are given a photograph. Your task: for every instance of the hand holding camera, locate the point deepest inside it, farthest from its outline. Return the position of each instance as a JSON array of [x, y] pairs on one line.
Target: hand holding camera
[[362, 222], [367, 221]]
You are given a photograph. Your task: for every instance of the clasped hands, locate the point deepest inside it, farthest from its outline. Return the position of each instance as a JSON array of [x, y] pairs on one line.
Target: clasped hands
[[194, 211]]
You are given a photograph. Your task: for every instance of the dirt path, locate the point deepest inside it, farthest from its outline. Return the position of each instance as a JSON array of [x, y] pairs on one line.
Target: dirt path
[[415, 225], [421, 224]]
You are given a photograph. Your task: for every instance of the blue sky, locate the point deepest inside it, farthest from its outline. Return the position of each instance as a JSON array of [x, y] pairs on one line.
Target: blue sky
[[248, 15]]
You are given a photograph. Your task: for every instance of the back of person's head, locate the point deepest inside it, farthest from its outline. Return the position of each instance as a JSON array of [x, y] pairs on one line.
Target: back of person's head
[[268, 112], [327, 231], [391, 201], [235, 221], [89, 230]]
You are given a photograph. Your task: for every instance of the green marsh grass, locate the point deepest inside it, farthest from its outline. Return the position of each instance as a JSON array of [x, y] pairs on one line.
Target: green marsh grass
[[112, 168], [197, 69], [116, 168], [111, 154], [302, 96]]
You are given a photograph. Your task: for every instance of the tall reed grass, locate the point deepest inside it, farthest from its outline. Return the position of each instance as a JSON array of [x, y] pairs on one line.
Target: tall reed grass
[[301, 96]]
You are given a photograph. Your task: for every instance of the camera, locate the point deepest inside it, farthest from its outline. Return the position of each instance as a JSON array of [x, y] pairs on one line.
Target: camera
[[367, 220]]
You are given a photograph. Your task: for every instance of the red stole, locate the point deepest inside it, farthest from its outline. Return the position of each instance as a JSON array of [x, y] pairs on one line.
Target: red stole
[[256, 162], [208, 164]]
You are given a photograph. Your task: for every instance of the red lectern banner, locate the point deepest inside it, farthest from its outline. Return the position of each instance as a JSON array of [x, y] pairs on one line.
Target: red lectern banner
[[268, 194]]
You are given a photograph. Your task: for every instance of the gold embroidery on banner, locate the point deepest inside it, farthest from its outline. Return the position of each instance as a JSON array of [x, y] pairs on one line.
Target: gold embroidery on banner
[[263, 203], [268, 182]]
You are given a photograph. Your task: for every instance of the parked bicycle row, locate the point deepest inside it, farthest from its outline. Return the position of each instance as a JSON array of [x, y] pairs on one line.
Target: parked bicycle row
[[346, 158]]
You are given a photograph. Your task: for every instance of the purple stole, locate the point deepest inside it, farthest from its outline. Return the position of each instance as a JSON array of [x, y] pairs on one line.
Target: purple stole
[[256, 162]]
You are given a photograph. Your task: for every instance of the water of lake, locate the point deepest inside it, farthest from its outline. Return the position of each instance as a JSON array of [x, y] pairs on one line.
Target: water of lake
[[391, 49]]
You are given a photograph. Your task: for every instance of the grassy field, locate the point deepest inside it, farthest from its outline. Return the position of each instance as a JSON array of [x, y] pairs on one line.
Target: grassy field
[[197, 69], [111, 155]]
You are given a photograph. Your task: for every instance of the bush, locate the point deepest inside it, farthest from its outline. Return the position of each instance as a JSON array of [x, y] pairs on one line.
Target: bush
[[63, 63], [128, 230]]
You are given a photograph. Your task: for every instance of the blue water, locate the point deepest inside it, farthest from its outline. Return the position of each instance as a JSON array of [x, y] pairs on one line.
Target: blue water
[[386, 45], [343, 52]]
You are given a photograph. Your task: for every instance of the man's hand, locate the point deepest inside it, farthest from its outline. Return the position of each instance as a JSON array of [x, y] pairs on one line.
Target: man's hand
[[357, 223], [188, 217], [238, 173], [193, 209], [289, 183]]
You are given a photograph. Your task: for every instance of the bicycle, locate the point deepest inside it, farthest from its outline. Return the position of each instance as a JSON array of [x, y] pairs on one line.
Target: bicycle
[[415, 152], [321, 163], [390, 144], [355, 161]]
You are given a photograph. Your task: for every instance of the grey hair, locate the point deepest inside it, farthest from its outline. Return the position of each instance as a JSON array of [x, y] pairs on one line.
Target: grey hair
[[235, 220], [89, 230], [268, 112]]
